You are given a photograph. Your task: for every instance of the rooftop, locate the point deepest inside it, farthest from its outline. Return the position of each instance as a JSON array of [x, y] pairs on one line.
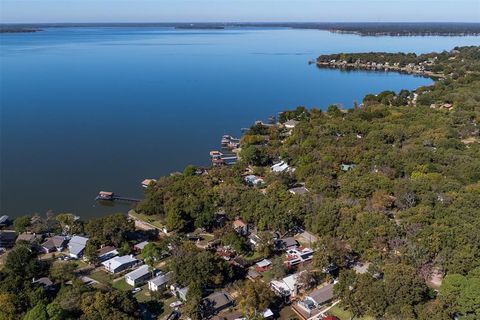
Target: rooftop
[[219, 299], [323, 294], [78, 240], [138, 273], [141, 245], [116, 262], [105, 250], [161, 279]]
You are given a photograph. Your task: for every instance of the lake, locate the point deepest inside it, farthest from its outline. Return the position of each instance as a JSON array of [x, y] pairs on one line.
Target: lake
[[88, 109]]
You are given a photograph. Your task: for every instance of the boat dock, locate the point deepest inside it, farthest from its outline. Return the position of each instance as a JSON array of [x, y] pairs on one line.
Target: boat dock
[[110, 196]]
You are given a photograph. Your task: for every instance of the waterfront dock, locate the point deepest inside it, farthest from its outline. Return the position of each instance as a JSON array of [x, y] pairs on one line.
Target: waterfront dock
[[110, 196]]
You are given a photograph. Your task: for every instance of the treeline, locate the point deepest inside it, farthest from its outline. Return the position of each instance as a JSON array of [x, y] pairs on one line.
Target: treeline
[[459, 61]]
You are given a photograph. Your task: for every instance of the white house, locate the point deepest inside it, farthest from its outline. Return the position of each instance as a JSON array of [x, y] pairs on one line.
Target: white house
[[138, 276], [287, 287], [290, 124], [282, 166], [159, 281], [76, 246], [119, 264]]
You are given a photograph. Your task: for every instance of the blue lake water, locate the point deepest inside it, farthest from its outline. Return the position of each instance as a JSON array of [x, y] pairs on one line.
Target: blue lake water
[[89, 109]]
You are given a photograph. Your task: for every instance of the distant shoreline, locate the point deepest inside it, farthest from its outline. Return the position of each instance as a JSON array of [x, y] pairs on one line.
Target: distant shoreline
[[18, 30], [361, 29]]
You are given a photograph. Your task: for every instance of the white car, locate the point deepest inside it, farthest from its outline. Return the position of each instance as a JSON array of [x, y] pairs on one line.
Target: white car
[[136, 290], [176, 304]]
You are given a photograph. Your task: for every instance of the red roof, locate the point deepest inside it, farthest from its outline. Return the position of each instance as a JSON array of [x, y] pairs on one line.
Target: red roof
[[330, 318]]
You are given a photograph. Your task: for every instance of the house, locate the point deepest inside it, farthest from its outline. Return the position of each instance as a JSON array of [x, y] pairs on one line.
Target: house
[[254, 239], [253, 180], [282, 166], [44, 282], [139, 246], [253, 274], [31, 238], [180, 292], [76, 246], [7, 239], [4, 221], [287, 287], [316, 299], [138, 276], [106, 253], [118, 264], [55, 243], [216, 302], [159, 281], [240, 226], [286, 243], [263, 265], [347, 167], [298, 190], [298, 256], [147, 182], [290, 124]]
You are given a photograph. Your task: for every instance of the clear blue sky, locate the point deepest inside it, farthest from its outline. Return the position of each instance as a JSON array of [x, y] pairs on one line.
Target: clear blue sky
[[237, 10]]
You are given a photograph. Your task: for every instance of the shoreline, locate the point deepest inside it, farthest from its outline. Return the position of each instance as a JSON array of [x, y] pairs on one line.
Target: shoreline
[[366, 29], [386, 68]]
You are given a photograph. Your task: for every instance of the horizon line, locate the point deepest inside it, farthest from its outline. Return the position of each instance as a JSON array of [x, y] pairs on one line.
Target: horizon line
[[238, 22]]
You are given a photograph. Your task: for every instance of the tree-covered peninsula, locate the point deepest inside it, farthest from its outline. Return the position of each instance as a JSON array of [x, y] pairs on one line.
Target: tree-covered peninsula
[[393, 181]]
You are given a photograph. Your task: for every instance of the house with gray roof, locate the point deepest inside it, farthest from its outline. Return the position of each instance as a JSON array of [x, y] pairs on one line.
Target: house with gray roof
[[76, 246], [55, 243], [139, 275], [159, 281], [118, 264], [217, 302], [4, 221], [316, 299], [31, 238]]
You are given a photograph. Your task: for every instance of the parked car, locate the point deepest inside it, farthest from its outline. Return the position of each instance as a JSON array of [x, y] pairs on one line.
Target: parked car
[[176, 304], [135, 290]]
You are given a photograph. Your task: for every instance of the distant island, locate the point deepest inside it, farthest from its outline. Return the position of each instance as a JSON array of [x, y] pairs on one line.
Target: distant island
[[358, 28]]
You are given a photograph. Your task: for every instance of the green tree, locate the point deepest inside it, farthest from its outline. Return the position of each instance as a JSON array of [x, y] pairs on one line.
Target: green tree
[[39, 312], [91, 252], [154, 252], [62, 271], [256, 297], [8, 311], [21, 223]]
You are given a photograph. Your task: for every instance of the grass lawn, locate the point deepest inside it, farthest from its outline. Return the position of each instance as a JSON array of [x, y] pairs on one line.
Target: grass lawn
[[343, 314], [156, 220], [102, 277], [254, 256], [143, 295], [121, 285], [287, 313]]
